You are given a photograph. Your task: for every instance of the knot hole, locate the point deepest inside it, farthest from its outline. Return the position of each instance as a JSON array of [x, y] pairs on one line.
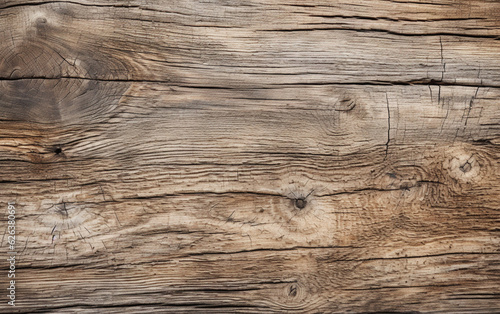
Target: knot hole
[[300, 203]]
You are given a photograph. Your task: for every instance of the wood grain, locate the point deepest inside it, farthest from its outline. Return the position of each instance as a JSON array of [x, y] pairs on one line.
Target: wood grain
[[256, 156]]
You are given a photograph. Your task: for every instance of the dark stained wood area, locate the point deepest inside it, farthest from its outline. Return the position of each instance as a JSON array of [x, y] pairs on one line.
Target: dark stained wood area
[[258, 156]]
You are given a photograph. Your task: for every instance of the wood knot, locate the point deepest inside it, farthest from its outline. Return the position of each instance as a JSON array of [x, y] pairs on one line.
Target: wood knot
[[295, 294], [464, 166], [392, 175], [345, 104], [62, 210], [292, 290], [58, 150], [41, 20], [300, 203], [70, 215]]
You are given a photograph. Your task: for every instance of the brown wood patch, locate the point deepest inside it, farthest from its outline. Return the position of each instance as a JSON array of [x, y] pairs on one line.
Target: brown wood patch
[[251, 156]]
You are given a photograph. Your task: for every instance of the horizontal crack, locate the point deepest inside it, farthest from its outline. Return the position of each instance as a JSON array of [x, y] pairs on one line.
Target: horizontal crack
[[69, 2], [376, 30], [390, 19], [417, 82], [81, 78]]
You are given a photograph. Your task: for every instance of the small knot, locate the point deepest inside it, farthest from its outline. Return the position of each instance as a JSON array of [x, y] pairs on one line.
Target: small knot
[[346, 104], [58, 150], [300, 203], [62, 210], [466, 167], [292, 291], [463, 165], [405, 186]]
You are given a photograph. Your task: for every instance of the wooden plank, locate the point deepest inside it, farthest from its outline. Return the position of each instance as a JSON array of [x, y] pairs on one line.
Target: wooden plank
[[238, 50], [275, 156]]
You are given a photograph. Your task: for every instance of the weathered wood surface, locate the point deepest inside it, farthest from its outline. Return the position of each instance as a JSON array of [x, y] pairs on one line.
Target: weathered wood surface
[[252, 156]]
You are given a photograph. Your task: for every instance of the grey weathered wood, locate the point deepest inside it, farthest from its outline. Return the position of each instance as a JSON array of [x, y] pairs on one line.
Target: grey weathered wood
[[229, 156]]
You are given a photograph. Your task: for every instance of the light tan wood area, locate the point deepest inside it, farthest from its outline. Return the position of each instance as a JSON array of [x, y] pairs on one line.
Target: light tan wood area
[[222, 156]]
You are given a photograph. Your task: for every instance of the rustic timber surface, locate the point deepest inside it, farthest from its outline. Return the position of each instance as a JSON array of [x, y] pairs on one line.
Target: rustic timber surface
[[251, 156]]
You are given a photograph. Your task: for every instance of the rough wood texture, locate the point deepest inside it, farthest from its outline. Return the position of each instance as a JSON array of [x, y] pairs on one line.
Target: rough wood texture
[[252, 156]]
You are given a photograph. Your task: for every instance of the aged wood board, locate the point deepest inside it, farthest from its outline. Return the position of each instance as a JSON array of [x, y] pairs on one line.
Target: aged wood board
[[258, 156]]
